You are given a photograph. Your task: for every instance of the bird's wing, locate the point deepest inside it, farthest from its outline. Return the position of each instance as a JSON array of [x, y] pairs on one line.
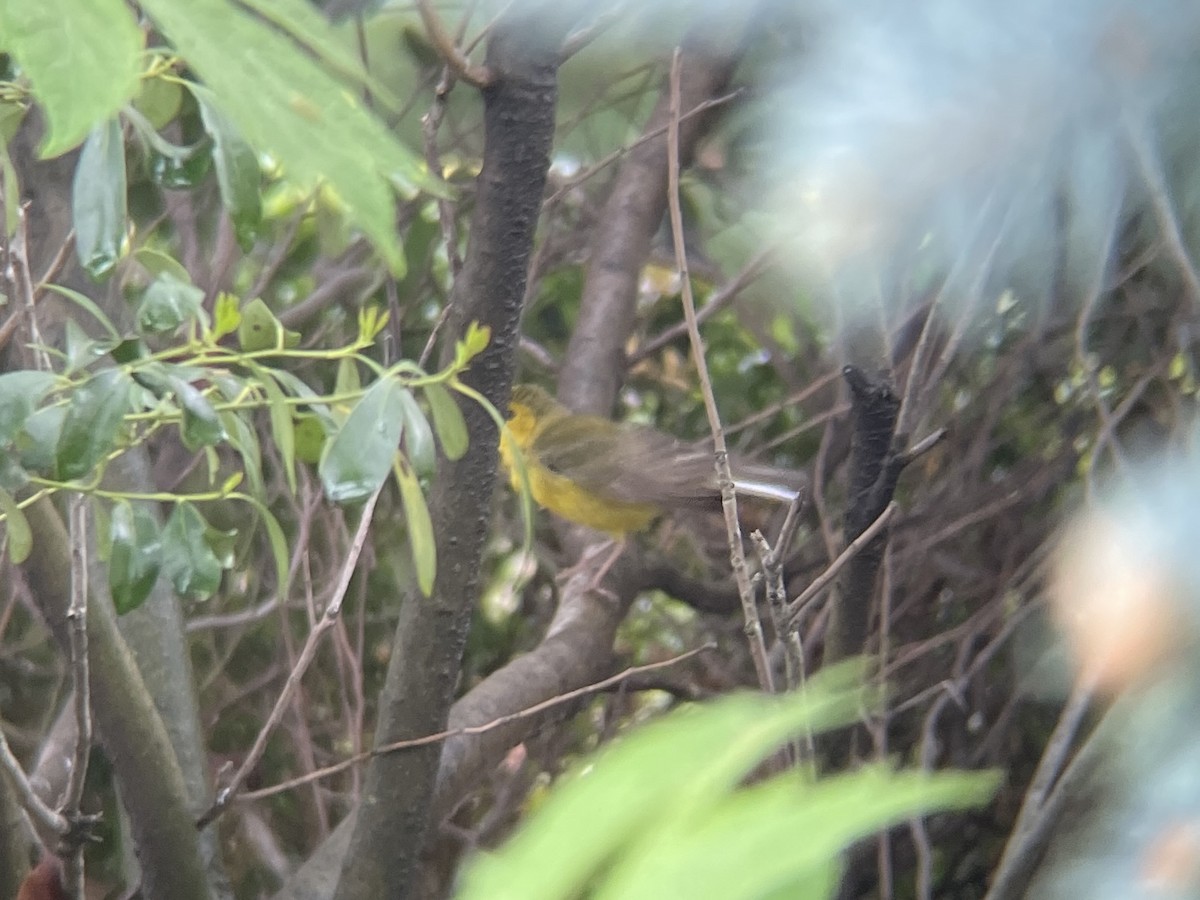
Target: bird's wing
[[626, 464]]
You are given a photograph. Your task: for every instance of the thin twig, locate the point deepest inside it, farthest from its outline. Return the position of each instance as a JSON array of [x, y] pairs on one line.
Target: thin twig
[[741, 573], [48, 822], [77, 614], [717, 301], [606, 684], [307, 654], [797, 607], [455, 59]]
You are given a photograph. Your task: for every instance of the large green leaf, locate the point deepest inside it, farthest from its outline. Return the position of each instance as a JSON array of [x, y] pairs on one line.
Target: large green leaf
[[98, 204], [95, 414], [612, 801], [285, 103], [359, 456], [82, 57]]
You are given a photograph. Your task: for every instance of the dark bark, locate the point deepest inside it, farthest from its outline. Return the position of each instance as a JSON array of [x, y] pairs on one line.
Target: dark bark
[[519, 110], [876, 460]]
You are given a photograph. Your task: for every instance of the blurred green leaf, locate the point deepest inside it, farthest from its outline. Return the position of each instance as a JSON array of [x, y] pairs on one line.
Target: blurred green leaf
[[169, 303], [611, 801], [359, 456], [20, 393], [98, 200], [135, 554], [745, 846], [310, 121], [309, 27], [82, 56], [659, 812], [187, 559], [94, 416], [447, 420], [16, 529], [420, 527], [238, 174]]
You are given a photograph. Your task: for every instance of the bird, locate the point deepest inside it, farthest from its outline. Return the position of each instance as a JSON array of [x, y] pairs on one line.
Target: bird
[[617, 478]]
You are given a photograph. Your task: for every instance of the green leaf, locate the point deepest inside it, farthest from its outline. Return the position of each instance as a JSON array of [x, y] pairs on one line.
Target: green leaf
[[135, 555], [10, 188], [98, 200], [420, 527], [20, 393], [611, 802], [347, 381], [311, 122], [447, 420], [20, 538], [359, 456], [187, 559], [169, 303], [82, 57], [94, 415], [244, 439], [471, 345], [309, 27], [159, 100], [310, 437], [158, 263], [37, 441], [201, 425], [418, 436], [282, 429], [88, 305], [278, 543], [238, 173], [746, 847], [261, 330], [226, 316]]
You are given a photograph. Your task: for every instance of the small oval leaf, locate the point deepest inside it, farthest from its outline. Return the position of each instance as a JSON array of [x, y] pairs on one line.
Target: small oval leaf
[[359, 456], [420, 526], [418, 436], [447, 420]]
